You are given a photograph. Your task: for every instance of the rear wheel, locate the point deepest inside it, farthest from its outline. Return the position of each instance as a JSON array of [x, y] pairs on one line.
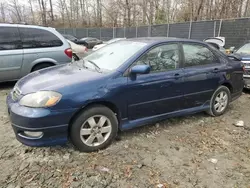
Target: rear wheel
[[94, 129], [219, 101], [41, 66], [75, 57]]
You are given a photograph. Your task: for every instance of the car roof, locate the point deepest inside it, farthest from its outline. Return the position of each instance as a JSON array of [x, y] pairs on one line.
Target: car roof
[[152, 40], [26, 26]]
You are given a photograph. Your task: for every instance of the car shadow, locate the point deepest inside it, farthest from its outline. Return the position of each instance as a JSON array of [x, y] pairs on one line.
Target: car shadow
[[7, 85], [247, 91], [160, 125]]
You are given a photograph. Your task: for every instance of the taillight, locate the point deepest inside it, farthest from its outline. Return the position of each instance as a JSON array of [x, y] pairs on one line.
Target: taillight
[[244, 68], [85, 49], [68, 52]]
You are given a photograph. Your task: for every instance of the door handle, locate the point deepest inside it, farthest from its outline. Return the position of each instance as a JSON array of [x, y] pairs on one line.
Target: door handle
[[216, 70]]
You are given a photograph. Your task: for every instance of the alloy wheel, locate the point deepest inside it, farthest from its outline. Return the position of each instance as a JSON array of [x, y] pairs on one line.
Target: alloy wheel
[[221, 101], [95, 130]]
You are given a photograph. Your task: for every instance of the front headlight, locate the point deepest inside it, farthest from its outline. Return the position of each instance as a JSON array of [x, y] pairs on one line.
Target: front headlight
[[41, 99]]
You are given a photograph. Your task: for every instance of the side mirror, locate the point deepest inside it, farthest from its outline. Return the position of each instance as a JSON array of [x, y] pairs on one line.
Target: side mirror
[[140, 69]]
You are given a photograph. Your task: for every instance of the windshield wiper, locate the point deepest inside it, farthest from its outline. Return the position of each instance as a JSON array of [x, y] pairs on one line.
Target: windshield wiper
[[96, 66]]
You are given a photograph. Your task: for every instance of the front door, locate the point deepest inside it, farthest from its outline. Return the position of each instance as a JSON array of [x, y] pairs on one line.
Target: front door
[[160, 91], [202, 74], [11, 54]]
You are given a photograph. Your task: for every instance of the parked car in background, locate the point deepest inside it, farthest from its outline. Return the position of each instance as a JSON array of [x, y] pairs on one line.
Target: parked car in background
[[90, 42], [73, 39], [98, 46], [79, 51], [244, 54], [70, 37], [217, 42], [115, 89], [26, 48]]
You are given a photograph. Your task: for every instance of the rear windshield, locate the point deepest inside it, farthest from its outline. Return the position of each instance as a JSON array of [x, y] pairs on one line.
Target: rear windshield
[[115, 54]]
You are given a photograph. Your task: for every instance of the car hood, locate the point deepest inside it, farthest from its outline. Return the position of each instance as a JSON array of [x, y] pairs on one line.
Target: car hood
[[56, 78], [220, 41], [245, 57]]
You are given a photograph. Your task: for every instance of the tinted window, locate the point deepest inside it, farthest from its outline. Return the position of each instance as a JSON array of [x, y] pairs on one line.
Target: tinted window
[[9, 38], [197, 55], [38, 38], [161, 58]]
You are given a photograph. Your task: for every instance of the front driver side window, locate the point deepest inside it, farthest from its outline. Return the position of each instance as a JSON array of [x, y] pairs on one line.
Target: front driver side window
[[161, 58]]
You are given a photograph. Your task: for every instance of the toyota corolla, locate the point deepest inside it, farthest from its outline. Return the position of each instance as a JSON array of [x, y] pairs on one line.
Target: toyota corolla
[[121, 86]]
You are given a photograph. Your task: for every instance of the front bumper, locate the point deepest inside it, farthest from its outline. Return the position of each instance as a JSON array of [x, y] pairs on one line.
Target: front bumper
[[52, 123]]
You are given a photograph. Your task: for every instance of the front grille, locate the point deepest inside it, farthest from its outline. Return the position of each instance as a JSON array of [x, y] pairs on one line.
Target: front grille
[[16, 93]]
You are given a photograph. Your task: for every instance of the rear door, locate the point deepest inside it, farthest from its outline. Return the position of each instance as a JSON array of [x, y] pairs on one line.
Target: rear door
[[160, 91], [11, 53], [40, 46], [202, 74]]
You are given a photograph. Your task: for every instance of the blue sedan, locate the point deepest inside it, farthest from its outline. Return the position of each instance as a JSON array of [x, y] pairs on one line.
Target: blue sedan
[[121, 86]]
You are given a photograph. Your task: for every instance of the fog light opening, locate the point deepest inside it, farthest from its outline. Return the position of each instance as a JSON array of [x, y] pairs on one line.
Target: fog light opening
[[33, 134]]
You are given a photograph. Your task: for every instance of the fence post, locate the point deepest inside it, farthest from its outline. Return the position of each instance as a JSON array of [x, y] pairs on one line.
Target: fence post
[[124, 32], [135, 31], [168, 31], [100, 33], [113, 32], [149, 31], [214, 28], [220, 28], [190, 29]]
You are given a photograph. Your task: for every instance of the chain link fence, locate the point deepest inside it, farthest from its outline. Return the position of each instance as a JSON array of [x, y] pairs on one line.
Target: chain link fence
[[236, 31]]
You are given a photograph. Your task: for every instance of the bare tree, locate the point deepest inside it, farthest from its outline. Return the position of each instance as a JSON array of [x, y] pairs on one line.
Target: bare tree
[[15, 8], [51, 10], [43, 11], [2, 11], [32, 11]]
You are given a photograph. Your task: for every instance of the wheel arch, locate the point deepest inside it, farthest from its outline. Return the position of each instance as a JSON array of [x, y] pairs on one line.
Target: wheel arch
[[229, 86], [107, 104], [41, 61]]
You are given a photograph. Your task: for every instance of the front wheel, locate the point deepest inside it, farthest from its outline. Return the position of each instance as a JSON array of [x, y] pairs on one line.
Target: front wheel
[[94, 129], [219, 101]]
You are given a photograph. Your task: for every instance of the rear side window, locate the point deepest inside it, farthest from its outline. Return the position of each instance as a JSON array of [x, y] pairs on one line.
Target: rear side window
[[38, 38], [9, 38], [196, 54]]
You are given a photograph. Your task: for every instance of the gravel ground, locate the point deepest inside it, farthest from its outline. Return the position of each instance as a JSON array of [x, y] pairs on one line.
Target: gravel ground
[[193, 151]]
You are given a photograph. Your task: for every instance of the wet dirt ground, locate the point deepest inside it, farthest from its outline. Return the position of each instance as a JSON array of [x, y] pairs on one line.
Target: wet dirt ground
[[193, 151]]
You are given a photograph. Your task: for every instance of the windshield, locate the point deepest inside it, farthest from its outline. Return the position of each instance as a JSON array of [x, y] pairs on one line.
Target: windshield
[[114, 55], [244, 49]]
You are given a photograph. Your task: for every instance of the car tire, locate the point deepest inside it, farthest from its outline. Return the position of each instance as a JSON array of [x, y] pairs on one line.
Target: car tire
[[219, 101], [41, 66], [94, 129], [75, 57]]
